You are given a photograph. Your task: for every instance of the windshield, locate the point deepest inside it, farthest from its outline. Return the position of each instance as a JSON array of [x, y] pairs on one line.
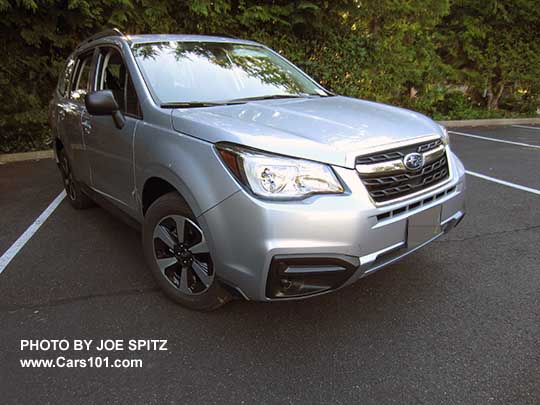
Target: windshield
[[211, 72]]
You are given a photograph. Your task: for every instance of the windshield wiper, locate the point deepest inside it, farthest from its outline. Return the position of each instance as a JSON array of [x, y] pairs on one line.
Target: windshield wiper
[[279, 96], [269, 97], [195, 104]]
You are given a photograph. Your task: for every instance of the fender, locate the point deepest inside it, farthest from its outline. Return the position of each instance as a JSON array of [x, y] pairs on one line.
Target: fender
[[191, 166]]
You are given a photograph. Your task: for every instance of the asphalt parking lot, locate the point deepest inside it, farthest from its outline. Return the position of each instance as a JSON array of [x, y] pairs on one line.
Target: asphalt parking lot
[[457, 322]]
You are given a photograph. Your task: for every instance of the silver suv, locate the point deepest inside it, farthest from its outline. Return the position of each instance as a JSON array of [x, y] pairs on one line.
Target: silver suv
[[248, 178]]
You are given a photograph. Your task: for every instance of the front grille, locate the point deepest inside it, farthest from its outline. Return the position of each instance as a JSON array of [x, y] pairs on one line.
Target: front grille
[[386, 186], [397, 153]]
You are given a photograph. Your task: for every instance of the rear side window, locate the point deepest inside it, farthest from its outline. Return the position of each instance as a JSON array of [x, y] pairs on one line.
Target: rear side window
[[112, 74], [80, 85], [65, 78]]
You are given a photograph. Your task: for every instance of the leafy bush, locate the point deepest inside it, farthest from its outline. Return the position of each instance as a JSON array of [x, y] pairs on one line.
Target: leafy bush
[[412, 53]]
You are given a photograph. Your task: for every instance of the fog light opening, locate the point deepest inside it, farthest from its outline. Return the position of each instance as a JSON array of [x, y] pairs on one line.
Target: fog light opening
[[301, 276]]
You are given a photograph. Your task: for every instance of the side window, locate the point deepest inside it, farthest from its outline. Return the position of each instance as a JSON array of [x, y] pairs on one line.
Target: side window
[[113, 75], [65, 77], [81, 79]]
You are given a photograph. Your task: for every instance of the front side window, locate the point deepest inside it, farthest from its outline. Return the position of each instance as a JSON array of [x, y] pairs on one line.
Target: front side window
[[65, 77], [184, 72], [81, 80], [113, 75]]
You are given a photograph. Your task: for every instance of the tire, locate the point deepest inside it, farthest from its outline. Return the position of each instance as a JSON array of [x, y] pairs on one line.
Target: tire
[[75, 195], [177, 254]]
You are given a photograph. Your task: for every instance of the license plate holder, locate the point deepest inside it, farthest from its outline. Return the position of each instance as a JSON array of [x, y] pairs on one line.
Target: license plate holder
[[423, 226]]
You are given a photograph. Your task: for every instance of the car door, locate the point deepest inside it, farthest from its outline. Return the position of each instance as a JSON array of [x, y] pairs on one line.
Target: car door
[[76, 84], [110, 148]]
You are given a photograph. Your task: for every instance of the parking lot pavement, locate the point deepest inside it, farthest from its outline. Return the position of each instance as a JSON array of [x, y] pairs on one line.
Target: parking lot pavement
[[512, 163], [458, 321], [528, 135], [26, 188]]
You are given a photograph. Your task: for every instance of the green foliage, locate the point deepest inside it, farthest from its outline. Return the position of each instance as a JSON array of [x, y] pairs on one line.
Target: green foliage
[[493, 45], [446, 58]]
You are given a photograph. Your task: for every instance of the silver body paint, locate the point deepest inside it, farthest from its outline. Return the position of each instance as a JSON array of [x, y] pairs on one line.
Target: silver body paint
[[244, 233]]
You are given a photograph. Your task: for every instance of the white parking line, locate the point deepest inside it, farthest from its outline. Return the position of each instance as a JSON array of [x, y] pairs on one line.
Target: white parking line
[[526, 126], [505, 183], [8, 256], [496, 140]]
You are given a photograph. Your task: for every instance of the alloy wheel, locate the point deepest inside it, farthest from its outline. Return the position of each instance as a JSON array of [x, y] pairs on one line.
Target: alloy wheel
[[182, 254]]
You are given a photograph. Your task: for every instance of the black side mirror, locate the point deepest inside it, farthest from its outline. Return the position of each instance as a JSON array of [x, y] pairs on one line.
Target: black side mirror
[[102, 102]]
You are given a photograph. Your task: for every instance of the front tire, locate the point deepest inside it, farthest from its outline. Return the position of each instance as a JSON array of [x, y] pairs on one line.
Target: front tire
[[177, 254]]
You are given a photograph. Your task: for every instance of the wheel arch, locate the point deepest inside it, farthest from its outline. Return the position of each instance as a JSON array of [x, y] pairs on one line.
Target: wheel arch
[[58, 145], [160, 182], [155, 187]]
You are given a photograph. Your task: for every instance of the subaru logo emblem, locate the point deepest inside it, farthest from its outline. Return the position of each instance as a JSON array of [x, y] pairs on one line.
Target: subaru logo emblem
[[414, 161]]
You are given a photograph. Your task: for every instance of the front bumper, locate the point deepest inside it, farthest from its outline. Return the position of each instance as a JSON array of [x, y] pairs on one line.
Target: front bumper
[[249, 236]]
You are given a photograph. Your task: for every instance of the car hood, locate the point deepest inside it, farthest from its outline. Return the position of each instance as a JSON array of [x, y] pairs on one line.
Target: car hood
[[333, 130]]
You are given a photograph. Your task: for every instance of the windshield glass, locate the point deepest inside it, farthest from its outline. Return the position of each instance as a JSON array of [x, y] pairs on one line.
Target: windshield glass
[[187, 72]]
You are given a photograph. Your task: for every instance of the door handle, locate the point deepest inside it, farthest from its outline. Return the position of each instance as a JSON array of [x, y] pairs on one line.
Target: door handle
[[86, 124]]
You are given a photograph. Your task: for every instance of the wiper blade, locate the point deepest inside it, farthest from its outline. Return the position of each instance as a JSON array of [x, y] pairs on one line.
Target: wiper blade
[[195, 104], [280, 96], [328, 94], [269, 97]]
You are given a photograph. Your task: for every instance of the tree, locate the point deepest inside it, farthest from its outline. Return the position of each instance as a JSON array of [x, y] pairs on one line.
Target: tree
[[493, 44], [404, 52]]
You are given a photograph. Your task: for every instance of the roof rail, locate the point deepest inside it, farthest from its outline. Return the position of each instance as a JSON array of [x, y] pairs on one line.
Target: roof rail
[[114, 32]]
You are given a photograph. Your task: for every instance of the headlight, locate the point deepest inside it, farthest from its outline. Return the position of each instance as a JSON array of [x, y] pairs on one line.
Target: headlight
[[279, 177], [445, 137]]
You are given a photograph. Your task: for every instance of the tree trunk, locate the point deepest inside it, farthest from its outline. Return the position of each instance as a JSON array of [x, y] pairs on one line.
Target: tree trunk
[[494, 94]]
